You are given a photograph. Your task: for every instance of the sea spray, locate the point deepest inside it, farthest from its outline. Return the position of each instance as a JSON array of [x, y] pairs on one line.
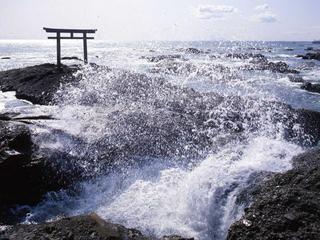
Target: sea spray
[[161, 157]]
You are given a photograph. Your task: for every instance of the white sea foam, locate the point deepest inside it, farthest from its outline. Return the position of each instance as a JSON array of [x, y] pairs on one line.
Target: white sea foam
[[188, 202], [195, 202]]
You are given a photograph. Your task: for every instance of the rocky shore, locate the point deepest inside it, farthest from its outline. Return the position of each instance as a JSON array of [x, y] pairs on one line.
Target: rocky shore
[[311, 55], [284, 207], [36, 84], [77, 228]]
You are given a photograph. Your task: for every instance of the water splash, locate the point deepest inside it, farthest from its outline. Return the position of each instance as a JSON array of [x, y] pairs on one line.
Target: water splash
[[163, 157]]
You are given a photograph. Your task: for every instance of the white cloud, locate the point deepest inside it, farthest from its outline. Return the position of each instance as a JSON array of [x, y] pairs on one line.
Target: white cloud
[[265, 14], [214, 11], [266, 17], [263, 7]]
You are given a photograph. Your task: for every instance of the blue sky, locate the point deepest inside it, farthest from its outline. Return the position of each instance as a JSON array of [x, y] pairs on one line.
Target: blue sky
[[130, 20]]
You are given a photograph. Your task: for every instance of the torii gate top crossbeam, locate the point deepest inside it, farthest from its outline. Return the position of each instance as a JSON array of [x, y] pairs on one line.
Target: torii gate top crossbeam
[[64, 30]]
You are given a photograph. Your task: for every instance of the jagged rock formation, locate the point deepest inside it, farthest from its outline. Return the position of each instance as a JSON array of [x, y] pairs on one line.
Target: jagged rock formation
[[77, 228], [285, 207]]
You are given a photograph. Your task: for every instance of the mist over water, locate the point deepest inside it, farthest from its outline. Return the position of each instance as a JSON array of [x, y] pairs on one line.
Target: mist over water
[[167, 146]]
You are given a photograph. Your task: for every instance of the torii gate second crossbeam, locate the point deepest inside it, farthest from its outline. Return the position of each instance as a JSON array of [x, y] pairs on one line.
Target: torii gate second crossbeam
[[72, 32]]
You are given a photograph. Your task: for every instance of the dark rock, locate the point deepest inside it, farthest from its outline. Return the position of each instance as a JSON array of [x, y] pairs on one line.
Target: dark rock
[[277, 67], [71, 58], [309, 48], [161, 58], [309, 122], [295, 78], [280, 67], [255, 48], [6, 58], [258, 59], [78, 228], [289, 49], [74, 228], [24, 176], [255, 58], [37, 84], [15, 156], [287, 206], [311, 87], [309, 56], [261, 63], [193, 51]]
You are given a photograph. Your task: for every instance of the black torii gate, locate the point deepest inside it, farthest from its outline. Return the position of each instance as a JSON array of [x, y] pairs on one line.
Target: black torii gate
[[72, 32]]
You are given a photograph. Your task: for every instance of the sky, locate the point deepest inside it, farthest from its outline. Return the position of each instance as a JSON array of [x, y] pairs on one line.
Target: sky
[[186, 20]]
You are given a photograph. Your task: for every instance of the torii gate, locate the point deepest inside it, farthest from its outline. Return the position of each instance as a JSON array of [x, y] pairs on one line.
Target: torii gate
[[58, 36]]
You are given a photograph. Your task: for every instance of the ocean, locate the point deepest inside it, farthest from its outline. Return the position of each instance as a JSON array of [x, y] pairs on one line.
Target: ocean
[[173, 174]]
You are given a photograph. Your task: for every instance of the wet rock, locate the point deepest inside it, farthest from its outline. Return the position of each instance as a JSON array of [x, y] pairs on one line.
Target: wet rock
[[306, 66], [255, 58], [161, 58], [6, 58], [83, 227], [260, 62], [15, 154], [311, 87], [289, 49], [24, 176], [71, 58], [74, 228], [258, 59], [295, 78], [287, 206], [193, 51], [280, 67], [38, 83], [310, 56], [309, 49], [309, 123], [277, 67], [255, 48]]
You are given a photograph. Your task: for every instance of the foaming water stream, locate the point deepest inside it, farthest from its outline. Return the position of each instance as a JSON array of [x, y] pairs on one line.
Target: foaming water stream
[[199, 202]]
